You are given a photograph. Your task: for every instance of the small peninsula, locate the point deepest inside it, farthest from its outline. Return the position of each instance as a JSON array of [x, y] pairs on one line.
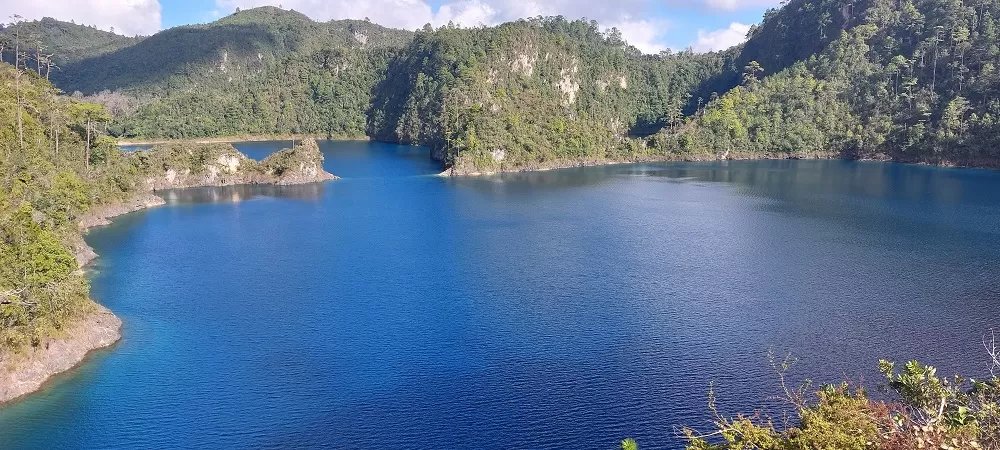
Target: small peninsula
[[71, 178]]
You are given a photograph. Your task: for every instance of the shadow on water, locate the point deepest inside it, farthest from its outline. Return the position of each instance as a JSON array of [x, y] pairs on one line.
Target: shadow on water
[[234, 194], [788, 179], [776, 179], [567, 178]]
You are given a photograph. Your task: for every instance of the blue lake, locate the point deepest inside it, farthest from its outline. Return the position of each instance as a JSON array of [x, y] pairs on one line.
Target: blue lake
[[560, 309]]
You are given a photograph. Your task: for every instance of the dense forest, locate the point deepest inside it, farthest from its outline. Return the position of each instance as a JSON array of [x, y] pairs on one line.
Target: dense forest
[[261, 71], [53, 44], [54, 166], [909, 80], [531, 93], [57, 164]]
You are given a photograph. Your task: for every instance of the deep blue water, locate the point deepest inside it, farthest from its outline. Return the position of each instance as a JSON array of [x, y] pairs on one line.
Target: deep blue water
[[561, 309]]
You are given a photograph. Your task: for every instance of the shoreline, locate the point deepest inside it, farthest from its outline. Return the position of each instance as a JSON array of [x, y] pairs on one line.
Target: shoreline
[[239, 138], [30, 371], [568, 164], [556, 165], [572, 164]]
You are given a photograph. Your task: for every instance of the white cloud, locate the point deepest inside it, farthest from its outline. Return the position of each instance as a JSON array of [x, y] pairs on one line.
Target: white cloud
[[721, 39], [128, 17], [646, 34], [406, 14], [733, 5]]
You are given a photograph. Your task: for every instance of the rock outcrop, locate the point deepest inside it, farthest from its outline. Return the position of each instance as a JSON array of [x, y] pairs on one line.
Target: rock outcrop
[[22, 374], [184, 165], [300, 164]]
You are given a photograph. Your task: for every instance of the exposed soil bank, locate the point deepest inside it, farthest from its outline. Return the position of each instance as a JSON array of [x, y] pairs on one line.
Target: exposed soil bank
[[28, 372]]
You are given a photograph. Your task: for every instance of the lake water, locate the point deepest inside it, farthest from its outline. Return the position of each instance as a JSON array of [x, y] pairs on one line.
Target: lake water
[[561, 309]]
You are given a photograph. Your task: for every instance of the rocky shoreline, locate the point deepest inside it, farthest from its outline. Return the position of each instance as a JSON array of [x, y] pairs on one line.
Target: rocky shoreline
[[28, 372], [594, 162], [23, 374]]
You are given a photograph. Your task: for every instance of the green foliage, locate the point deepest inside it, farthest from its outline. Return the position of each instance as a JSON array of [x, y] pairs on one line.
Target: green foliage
[[44, 189], [791, 114], [531, 93], [927, 412], [67, 42], [911, 80], [260, 71]]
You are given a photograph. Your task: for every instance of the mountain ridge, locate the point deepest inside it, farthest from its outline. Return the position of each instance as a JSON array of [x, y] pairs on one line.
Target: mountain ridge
[[843, 78]]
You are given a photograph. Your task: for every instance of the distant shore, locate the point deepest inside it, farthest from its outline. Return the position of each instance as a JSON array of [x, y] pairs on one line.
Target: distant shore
[[592, 162], [597, 162], [238, 138]]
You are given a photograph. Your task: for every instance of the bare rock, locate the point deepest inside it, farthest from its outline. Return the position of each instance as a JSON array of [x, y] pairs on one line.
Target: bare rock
[[22, 374]]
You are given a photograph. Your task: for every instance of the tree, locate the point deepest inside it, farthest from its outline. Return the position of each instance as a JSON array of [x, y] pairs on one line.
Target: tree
[[953, 123], [86, 115], [752, 72]]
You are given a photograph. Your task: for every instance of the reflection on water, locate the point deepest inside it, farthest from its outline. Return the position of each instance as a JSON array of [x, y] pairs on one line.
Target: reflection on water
[[864, 194], [233, 194], [787, 179]]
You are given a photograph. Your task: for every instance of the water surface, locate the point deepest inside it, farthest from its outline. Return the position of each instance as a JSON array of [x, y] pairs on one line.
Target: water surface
[[562, 309]]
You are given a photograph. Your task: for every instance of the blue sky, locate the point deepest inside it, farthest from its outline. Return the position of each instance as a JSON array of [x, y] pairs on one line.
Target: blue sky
[[651, 25]]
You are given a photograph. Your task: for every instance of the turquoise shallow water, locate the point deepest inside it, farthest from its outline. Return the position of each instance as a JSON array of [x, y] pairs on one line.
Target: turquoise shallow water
[[562, 309]]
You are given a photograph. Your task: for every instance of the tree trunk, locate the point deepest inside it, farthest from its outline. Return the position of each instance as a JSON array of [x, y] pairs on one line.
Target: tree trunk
[[87, 152], [20, 108]]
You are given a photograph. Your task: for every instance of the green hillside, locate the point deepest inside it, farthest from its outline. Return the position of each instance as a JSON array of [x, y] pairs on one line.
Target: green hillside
[[909, 80], [259, 71], [66, 42], [530, 93]]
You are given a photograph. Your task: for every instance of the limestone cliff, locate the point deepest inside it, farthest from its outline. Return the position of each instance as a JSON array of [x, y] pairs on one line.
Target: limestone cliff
[[300, 164], [183, 165]]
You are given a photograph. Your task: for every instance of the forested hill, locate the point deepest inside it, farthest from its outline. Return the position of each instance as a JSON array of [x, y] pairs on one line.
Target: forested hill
[[66, 42], [911, 80], [244, 45], [532, 93], [259, 71]]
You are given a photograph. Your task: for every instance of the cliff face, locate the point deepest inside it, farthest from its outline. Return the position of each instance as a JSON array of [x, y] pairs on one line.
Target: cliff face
[[183, 165], [529, 94]]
